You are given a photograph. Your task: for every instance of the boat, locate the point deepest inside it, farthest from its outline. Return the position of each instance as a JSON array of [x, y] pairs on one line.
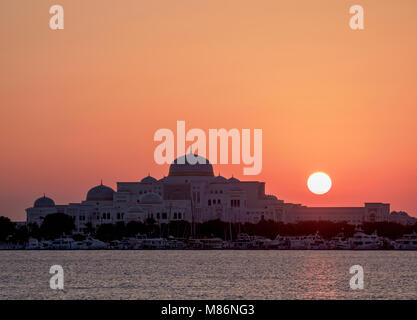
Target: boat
[[195, 244], [32, 244], [115, 244], [45, 245], [339, 243], [298, 243], [260, 243], [212, 243], [407, 242], [363, 241], [279, 243], [176, 244], [316, 242], [92, 244], [206, 243], [64, 244], [154, 243], [243, 241]]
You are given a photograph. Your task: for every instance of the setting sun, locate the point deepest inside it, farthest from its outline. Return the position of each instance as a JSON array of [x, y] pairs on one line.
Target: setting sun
[[319, 183]]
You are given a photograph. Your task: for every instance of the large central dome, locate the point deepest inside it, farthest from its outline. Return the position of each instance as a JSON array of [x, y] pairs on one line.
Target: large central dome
[[182, 167], [100, 193]]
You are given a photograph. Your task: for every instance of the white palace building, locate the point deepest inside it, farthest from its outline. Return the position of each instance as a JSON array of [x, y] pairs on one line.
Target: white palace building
[[192, 192]]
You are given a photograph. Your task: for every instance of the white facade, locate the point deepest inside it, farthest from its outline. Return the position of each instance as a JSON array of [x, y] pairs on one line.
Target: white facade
[[192, 193]]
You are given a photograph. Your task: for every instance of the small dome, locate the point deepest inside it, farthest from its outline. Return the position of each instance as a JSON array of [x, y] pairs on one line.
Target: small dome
[[182, 167], [271, 197], [399, 213], [220, 178], [44, 202], [100, 193], [148, 179], [150, 198], [233, 180]]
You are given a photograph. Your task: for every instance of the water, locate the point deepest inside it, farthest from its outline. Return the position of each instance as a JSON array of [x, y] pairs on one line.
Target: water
[[208, 274]]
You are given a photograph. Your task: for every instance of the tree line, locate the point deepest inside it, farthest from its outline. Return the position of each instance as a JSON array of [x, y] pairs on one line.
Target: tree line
[[59, 224]]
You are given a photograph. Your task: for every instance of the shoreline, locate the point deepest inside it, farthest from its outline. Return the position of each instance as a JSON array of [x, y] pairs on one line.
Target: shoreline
[[215, 249]]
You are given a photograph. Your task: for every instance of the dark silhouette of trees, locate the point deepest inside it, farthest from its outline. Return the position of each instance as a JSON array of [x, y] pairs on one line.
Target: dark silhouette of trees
[[20, 235], [78, 237], [214, 229], [89, 229], [133, 228], [152, 228], [110, 232], [7, 228], [107, 232], [326, 229], [177, 229], [388, 229], [57, 224], [34, 230]]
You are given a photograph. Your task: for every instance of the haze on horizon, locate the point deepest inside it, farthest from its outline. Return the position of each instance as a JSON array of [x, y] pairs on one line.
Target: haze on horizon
[[82, 104]]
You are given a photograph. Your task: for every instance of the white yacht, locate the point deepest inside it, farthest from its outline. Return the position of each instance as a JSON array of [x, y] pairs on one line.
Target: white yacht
[[154, 243], [279, 243], [176, 244], [93, 244], [260, 243], [195, 244], [407, 242], [32, 244], [45, 245], [212, 243], [243, 241], [64, 244], [339, 243], [206, 243], [362, 241], [316, 242], [298, 242]]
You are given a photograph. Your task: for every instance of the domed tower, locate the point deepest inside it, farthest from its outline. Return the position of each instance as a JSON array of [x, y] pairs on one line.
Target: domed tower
[[41, 208], [233, 180], [100, 193], [148, 179], [44, 202], [191, 165], [220, 178]]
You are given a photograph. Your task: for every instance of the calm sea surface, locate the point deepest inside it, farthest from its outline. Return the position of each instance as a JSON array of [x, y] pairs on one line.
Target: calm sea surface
[[208, 274]]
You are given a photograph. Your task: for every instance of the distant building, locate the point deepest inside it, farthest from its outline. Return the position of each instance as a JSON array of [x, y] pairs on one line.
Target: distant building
[[402, 218], [194, 194], [371, 212]]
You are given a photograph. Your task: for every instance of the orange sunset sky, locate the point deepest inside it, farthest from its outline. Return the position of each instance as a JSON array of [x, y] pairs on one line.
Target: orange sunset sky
[[82, 104]]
